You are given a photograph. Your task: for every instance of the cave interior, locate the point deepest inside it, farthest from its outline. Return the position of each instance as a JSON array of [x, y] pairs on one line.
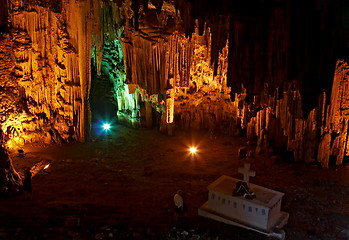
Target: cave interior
[[102, 98]]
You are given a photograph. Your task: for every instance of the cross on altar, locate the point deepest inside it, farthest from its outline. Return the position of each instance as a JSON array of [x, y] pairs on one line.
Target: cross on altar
[[247, 172]]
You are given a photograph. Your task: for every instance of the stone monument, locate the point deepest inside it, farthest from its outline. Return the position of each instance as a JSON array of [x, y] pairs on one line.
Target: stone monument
[[261, 213]]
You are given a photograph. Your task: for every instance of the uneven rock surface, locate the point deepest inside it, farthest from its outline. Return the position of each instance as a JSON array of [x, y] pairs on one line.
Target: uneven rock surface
[[172, 66], [106, 190]]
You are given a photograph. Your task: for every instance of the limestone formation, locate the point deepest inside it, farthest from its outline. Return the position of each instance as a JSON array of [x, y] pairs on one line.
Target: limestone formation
[[177, 65], [10, 180]]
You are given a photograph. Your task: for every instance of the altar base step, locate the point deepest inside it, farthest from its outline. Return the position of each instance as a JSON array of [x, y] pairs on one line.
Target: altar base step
[[276, 231]]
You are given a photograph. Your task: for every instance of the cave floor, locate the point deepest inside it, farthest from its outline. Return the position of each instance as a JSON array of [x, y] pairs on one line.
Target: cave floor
[[121, 186]]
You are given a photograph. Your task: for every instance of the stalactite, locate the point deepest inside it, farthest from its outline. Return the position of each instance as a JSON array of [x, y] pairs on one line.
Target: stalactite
[[53, 45], [177, 62], [273, 108], [52, 50]]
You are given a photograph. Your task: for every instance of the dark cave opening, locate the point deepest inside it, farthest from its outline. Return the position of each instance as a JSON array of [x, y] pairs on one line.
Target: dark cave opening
[[107, 87], [3, 16], [103, 109]]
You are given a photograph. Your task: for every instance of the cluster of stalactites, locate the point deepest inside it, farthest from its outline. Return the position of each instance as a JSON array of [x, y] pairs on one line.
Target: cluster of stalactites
[[175, 71], [192, 16], [52, 53]]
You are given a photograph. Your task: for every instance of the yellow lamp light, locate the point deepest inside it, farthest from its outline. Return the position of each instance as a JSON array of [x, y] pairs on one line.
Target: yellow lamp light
[[193, 150]]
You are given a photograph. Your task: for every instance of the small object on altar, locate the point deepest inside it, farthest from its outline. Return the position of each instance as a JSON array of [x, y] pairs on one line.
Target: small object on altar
[[242, 189]]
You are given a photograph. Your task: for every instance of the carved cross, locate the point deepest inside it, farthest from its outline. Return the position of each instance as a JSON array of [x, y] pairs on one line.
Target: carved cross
[[247, 172]]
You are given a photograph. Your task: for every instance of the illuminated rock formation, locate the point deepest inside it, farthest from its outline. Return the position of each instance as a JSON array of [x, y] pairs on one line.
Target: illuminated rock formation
[[13, 117], [333, 144], [178, 64], [52, 66], [46, 69], [10, 181], [174, 73]]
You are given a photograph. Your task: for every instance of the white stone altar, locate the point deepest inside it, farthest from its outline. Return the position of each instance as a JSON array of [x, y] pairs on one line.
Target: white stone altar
[[262, 214]]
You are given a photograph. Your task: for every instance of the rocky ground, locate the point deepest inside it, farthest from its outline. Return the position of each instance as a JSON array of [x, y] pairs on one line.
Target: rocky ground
[[121, 186]]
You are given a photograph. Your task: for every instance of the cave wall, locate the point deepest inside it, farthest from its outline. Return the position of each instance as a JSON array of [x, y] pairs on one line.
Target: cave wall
[[51, 47], [174, 81], [11, 104], [281, 66], [322, 136], [271, 72], [3, 15], [333, 148], [108, 72], [56, 47], [285, 57], [288, 66]]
